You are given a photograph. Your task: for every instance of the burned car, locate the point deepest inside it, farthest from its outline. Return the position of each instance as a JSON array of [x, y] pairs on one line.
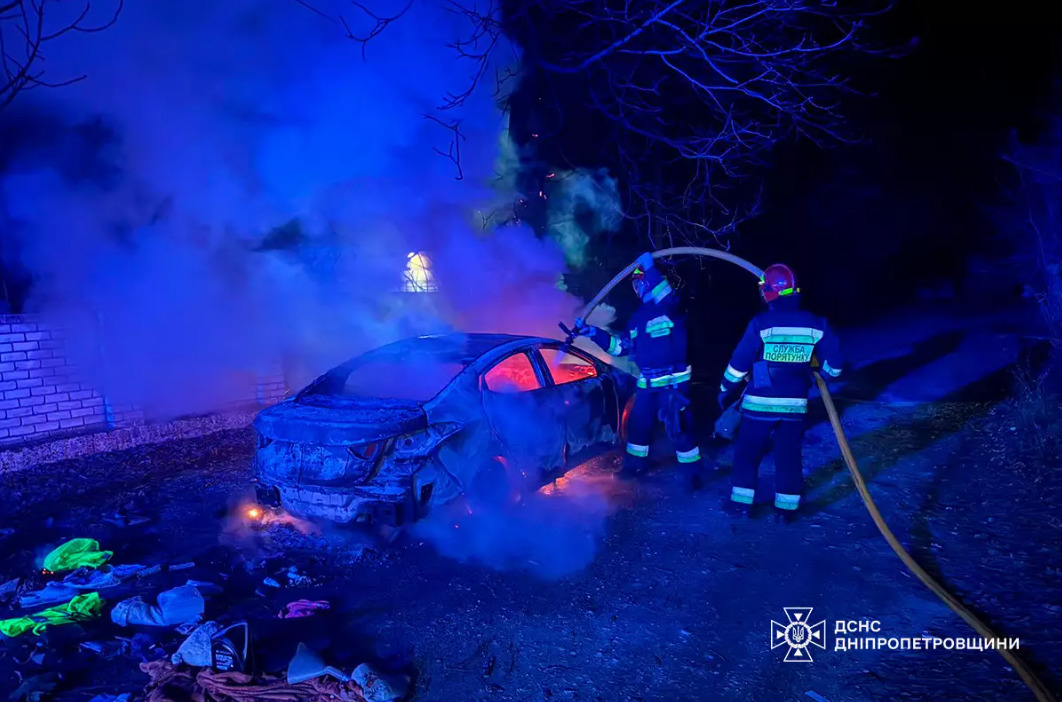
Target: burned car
[[387, 435]]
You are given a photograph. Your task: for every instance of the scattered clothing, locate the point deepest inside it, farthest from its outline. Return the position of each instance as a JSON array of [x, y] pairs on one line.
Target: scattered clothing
[[36, 689], [51, 593], [86, 578], [104, 649], [10, 587], [170, 683], [142, 647], [303, 608], [177, 607], [84, 606], [75, 554], [196, 649]]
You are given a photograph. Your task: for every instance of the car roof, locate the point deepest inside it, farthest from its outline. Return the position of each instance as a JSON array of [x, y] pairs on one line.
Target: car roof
[[460, 347]]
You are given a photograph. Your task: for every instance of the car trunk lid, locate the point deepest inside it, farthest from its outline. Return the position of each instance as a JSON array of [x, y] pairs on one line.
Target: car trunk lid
[[340, 421]]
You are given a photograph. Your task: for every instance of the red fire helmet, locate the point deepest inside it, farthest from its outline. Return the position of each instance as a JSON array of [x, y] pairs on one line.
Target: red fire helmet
[[778, 280]]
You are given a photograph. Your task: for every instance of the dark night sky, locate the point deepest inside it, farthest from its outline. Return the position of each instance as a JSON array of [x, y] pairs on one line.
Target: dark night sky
[[869, 223]]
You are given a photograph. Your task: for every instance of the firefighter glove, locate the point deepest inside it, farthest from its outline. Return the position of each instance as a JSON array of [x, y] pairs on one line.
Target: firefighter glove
[[645, 261]]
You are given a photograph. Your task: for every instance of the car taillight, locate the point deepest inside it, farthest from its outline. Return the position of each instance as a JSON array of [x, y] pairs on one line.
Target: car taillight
[[423, 442], [365, 452]]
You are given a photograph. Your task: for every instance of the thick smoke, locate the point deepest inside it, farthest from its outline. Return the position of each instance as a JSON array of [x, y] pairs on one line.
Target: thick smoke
[[582, 204], [234, 186]]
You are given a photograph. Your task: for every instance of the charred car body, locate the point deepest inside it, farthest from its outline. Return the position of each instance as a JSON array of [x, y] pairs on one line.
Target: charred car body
[[383, 437]]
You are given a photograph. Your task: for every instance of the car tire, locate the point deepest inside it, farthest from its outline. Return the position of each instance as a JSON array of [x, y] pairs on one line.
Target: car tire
[[491, 485]]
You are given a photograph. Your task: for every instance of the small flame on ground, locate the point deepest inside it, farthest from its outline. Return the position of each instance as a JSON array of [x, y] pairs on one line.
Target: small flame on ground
[[263, 517]]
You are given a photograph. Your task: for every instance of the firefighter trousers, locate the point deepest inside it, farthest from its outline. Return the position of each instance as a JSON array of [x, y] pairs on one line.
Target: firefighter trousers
[[670, 405], [754, 436]]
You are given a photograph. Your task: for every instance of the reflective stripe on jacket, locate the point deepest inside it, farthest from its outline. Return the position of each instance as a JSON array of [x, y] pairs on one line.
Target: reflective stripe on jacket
[[774, 356]]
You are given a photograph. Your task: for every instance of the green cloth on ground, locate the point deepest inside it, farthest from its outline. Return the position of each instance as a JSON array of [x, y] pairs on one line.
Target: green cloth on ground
[[78, 609], [74, 554]]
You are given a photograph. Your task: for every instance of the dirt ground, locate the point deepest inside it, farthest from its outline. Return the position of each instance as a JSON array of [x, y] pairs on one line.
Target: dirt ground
[[675, 601]]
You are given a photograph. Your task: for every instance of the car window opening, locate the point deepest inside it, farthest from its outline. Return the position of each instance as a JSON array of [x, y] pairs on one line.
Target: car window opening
[[567, 367], [513, 374]]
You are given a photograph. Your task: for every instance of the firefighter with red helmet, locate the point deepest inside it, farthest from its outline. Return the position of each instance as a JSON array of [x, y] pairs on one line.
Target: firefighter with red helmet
[[656, 340], [775, 357]]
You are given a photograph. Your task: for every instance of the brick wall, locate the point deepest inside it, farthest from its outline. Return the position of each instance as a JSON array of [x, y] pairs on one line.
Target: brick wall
[[42, 396]]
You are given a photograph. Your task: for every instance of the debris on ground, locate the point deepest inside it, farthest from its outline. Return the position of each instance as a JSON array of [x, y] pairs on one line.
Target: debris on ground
[[104, 649], [51, 593], [377, 687], [308, 664], [196, 649], [82, 607], [180, 607], [127, 516], [142, 648], [169, 682], [126, 697], [303, 608], [36, 689], [230, 649], [86, 578], [75, 554]]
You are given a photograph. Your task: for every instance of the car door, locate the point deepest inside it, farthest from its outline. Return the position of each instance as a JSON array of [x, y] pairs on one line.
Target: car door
[[588, 416], [525, 414]]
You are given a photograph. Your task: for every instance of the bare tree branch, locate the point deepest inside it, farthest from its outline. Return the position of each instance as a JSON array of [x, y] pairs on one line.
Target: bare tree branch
[[24, 32], [698, 93]]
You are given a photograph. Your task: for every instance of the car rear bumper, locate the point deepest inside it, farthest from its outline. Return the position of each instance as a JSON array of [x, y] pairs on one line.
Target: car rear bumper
[[338, 506]]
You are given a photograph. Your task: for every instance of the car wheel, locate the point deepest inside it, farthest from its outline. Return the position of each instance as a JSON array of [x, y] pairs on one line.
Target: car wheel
[[491, 484]]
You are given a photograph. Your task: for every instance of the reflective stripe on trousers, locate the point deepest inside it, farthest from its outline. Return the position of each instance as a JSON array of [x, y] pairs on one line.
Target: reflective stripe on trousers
[[776, 405], [638, 450], [691, 456], [743, 495], [783, 501]]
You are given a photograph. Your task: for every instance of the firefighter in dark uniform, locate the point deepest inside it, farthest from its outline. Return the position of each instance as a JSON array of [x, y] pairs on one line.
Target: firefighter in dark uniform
[[775, 357], [656, 341]]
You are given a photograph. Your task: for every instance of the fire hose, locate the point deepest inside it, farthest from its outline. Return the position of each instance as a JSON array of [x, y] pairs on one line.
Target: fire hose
[[1035, 685]]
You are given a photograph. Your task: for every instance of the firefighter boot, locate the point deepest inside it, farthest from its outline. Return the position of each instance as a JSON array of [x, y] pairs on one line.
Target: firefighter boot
[[691, 476], [737, 510], [784, 516]]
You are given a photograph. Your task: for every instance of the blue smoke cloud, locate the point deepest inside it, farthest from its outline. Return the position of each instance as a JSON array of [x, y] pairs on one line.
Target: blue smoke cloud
[[142, 209], [144, 201]]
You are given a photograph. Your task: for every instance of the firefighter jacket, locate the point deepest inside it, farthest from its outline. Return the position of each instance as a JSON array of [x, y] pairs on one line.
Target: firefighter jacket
[[656, 337], [775, 356]]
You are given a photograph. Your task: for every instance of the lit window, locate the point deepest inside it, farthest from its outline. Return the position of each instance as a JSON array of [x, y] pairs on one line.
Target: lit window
[[418, 276]]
